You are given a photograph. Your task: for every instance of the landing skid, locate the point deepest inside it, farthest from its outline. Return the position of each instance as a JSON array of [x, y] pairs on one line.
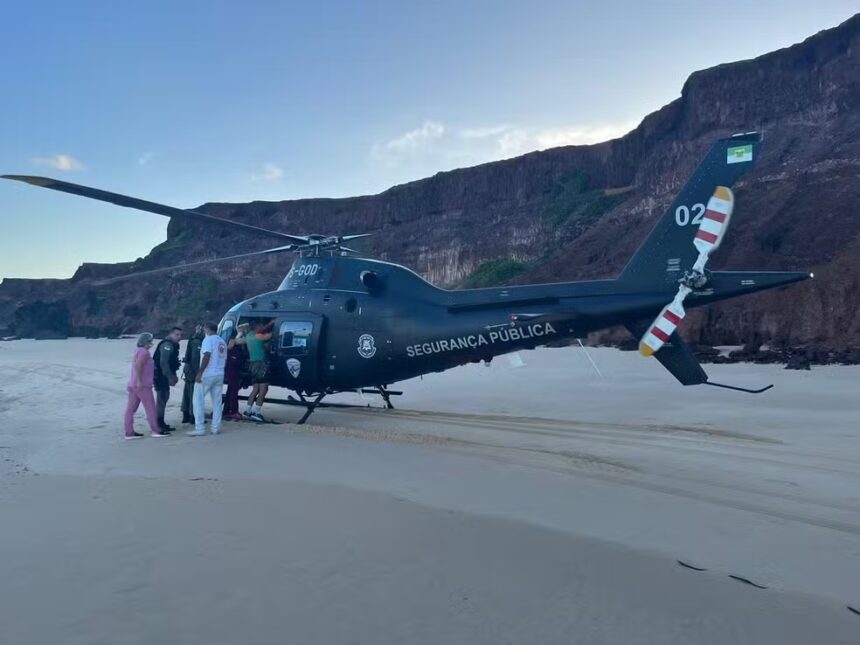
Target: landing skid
[[311, 404], [739, 389], [384, 392]]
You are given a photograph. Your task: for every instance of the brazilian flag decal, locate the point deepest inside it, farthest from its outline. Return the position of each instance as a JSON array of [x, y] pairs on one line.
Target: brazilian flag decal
[[739, 154]]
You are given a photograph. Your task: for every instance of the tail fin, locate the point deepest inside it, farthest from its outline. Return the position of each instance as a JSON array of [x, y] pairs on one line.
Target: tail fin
[[668, 250], [675, 356]]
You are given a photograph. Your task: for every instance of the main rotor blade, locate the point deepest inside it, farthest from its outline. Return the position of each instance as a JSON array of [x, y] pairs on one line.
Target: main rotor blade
[[191, 265], [150, 207]]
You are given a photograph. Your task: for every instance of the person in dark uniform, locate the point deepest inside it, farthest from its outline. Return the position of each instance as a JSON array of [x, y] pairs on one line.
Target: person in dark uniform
[[236, 355], [166, 365], [189, 372]]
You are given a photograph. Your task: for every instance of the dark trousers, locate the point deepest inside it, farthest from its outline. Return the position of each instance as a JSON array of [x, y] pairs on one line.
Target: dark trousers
[[188, 397], [162, 396], [231, 403]]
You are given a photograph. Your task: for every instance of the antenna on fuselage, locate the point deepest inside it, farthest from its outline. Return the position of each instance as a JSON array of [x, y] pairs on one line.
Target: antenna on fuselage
[[590, 360]]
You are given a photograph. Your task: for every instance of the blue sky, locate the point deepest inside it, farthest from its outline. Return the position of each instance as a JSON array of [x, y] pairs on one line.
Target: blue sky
[[188, 102]]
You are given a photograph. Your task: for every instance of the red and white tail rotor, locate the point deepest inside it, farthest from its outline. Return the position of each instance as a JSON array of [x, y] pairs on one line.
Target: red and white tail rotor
[[712, 230]]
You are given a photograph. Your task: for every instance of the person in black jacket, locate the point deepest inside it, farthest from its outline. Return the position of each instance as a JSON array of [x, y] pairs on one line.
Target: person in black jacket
[[166, 365], [236, 358], [189, 372]]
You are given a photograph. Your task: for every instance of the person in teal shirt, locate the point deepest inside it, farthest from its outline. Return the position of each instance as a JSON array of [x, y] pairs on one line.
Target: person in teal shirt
[[259, 366]]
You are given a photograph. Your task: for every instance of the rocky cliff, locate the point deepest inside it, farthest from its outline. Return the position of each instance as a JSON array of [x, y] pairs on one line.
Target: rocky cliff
[[566, 213]]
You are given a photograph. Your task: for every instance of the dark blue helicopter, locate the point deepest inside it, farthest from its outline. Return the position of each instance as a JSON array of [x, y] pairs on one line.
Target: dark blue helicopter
[[345, 323]]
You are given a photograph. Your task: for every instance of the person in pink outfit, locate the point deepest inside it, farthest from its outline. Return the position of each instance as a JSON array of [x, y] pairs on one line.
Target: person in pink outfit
[[140, 389]]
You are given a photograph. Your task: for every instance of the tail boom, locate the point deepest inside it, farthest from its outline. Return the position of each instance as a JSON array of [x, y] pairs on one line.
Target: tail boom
[[722, 285]]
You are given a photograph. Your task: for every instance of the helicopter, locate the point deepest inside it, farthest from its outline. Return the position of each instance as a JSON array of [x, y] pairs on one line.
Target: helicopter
[[342, 322]]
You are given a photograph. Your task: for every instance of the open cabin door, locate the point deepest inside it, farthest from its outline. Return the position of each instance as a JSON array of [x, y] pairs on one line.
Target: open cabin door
[[298, 351]]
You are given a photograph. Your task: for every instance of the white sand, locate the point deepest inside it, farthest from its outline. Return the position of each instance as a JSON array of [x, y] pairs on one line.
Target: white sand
[[539, 504]]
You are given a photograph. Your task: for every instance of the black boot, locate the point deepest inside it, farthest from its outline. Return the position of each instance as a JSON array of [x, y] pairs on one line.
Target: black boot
[[187, 418]]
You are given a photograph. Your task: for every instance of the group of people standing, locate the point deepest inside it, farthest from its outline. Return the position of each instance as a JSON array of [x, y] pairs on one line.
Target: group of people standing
[[209, 362]]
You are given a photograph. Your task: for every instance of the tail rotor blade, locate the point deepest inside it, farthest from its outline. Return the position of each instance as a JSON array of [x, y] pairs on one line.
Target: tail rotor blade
[[714, 224], [664, 324]]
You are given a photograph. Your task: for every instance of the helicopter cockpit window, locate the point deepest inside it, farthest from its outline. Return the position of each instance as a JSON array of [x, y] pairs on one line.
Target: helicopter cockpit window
[[295, 336], [226, 329]]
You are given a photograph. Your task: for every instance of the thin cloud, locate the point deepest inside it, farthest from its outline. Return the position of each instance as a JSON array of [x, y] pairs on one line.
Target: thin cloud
[[269, 172], [407, 144], [61, 162], [483, 133], [435, 146], [145, 158], [517, 141]]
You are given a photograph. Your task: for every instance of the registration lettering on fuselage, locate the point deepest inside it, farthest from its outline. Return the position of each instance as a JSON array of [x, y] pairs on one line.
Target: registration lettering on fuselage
[[473, 341], [303, 270]]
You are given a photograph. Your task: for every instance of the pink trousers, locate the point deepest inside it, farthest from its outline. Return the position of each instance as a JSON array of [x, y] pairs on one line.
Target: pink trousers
[[136, 396]]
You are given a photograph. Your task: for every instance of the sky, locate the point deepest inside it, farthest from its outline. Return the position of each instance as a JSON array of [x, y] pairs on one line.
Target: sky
[[189, 102]]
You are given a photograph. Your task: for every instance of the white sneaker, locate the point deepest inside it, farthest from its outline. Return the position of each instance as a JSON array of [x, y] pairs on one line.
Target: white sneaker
[[214, 431], [158, 434], [195, 433]]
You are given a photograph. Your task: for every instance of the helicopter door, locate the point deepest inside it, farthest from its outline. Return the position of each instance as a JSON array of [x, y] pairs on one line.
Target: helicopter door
[[298, 336]]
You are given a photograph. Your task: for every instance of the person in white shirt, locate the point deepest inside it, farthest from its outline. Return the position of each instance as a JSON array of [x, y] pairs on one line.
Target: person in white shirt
[[210, 380]]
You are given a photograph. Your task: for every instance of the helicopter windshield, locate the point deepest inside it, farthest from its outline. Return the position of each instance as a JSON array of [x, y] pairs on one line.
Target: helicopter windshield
[[226, 329]]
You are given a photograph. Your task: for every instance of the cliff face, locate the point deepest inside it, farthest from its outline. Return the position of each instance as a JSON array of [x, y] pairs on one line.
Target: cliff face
[[573, 212]]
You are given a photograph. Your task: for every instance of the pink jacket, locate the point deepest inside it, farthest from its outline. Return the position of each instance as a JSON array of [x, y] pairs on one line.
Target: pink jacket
[[148, 369]]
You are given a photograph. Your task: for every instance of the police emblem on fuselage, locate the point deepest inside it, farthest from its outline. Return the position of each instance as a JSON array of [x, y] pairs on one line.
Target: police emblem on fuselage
[[294, 366], [366, 346]]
